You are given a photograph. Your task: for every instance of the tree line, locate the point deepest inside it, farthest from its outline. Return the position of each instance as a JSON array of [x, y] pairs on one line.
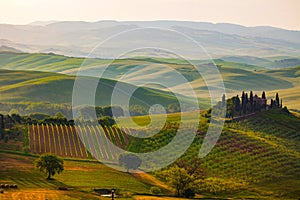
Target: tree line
[[247, 104]]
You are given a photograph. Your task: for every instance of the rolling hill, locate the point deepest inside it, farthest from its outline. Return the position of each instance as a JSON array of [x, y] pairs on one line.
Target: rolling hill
[[260, 155], [237, 76], [32, 86]]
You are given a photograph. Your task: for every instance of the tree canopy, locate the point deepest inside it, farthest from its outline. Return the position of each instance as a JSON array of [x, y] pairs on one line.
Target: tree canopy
[[130, 161], [50, 164], [179, 178]]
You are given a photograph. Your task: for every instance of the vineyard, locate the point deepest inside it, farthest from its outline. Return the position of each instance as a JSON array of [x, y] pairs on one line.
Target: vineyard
[[73, 142], [254, 154]]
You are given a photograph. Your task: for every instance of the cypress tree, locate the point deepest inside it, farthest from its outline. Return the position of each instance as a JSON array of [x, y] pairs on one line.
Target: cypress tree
[[251, 101], [263, 96], [277, 100], [243, 99], [271, 103], [246, 98], [246, 102], [223, 100], [237, 104]]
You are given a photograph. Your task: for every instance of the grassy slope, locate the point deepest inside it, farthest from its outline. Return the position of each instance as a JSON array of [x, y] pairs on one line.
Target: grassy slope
[[32, 86], [237, 76], [262, 151], [79, 176]]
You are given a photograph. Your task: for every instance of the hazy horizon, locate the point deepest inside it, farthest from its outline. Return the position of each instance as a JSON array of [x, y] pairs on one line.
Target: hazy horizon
[[276, 13]]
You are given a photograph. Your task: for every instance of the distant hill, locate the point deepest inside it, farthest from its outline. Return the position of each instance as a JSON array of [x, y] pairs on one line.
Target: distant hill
[[270, 63], [4, 48], [78, 38]]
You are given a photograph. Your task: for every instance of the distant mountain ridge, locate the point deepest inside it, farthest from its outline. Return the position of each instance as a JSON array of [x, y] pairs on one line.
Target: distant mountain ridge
[[78, 38]]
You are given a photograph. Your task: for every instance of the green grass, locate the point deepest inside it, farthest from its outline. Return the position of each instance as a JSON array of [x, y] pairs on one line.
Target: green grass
[[237, 76], [81, 177], [27, 86], [261, 151]]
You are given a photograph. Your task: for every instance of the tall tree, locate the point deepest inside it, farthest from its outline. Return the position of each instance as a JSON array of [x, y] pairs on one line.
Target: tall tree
[[50, 164], [277, 100], [237, 104], [263, 95], [251, 101], [246, 98], [243, 99], [223, 100], [272, 103]]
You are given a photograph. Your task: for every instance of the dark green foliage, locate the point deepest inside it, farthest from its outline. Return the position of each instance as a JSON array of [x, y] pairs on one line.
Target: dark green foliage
[[155, 190], [2, 133], [50, 164], [106, 121], [113, 111], [179, 179], [38, 116], [189, 193], [6, 138], [263, 95], [277, 104], [246, 106], [16, 118]]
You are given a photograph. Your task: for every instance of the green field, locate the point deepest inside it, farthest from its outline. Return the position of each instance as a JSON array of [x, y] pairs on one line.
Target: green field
[[19, 85], [258, 157], [261, 152], [255, 158], [81, 177]]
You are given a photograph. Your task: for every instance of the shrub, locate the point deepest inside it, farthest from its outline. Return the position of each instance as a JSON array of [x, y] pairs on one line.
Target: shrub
[[155, 190], [189, 193]]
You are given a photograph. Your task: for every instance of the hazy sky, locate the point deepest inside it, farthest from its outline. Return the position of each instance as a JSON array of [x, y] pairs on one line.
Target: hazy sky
[[279, 13]]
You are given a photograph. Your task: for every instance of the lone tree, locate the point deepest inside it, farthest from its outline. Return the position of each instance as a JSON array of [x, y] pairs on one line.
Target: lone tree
[[179, 179], [130, 161], [50, 164]]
